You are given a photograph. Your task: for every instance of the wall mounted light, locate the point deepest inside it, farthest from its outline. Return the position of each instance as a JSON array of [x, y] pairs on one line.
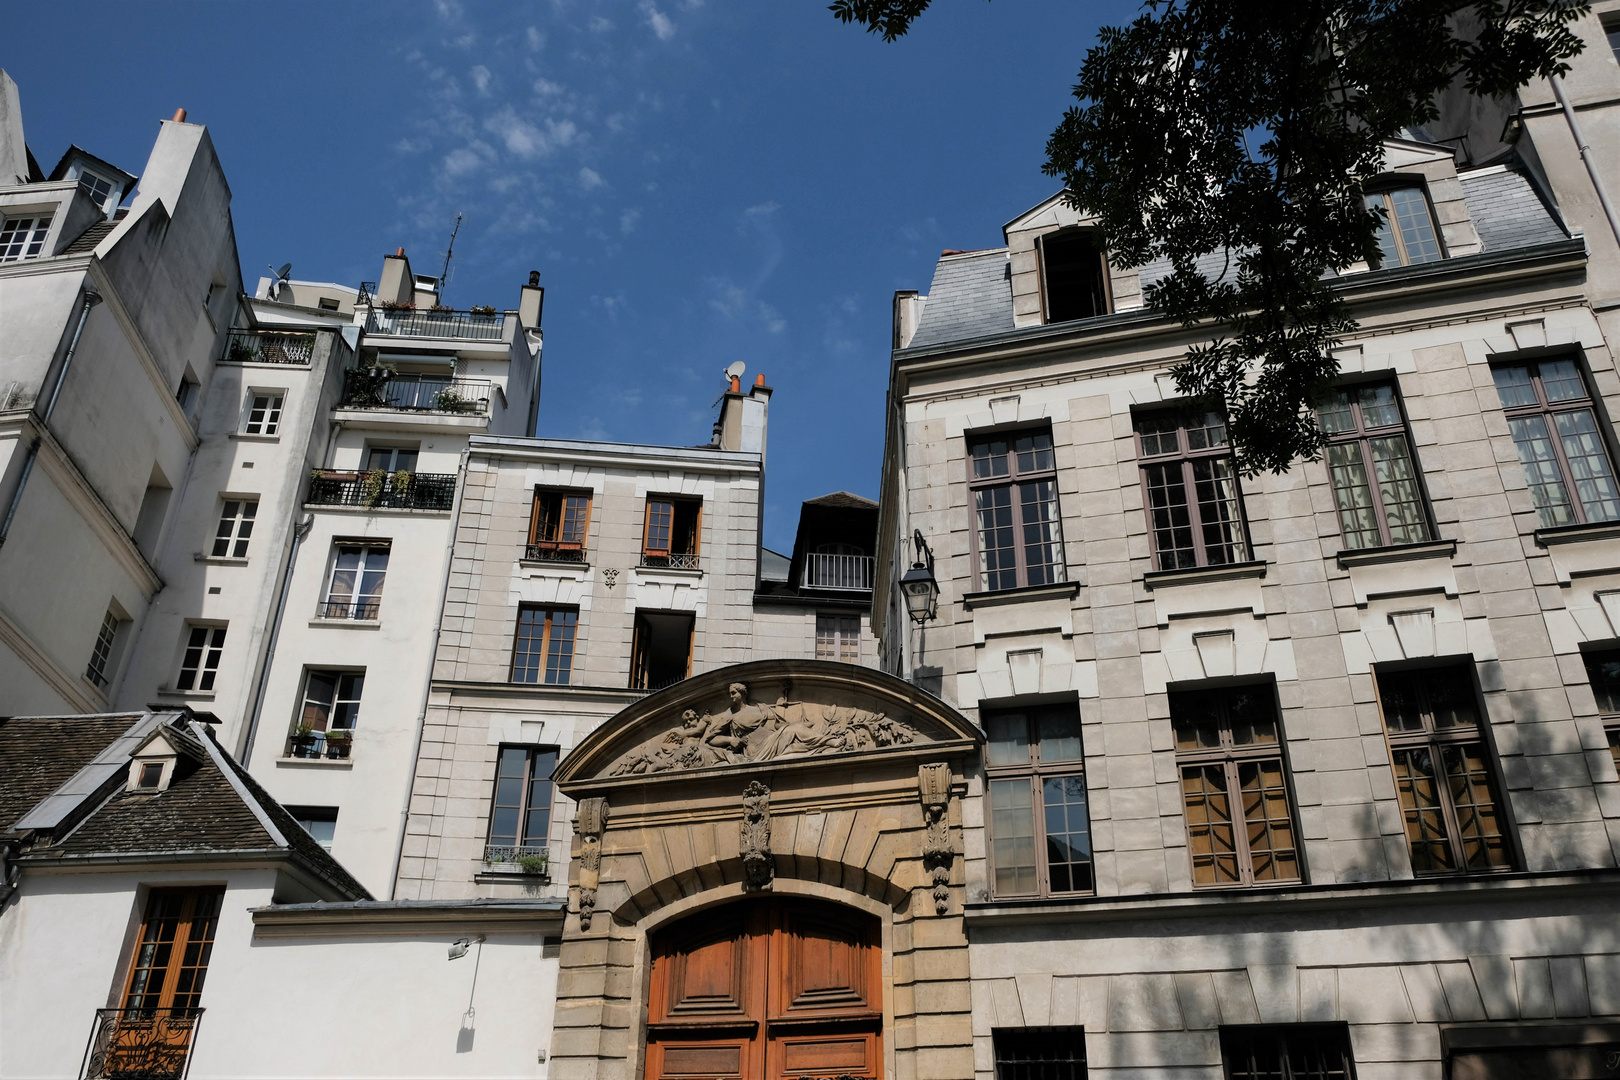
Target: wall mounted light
[[918, 586]]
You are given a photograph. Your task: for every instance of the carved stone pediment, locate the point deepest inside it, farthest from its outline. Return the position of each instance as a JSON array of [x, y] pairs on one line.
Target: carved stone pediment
[[761, 713]]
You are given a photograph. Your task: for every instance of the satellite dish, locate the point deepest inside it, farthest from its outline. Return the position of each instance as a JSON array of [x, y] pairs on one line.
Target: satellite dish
[[735, 371], [286, 269], [279, 280]]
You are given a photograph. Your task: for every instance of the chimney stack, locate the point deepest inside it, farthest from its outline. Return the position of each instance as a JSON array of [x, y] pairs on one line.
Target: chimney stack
[[531, 302]]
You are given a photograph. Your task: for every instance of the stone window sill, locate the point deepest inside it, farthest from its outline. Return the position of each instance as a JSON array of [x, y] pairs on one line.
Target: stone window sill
[[314, 763], [1576, 534], [1062, 590], [353, 624], [1198, 575], [244, 437], [260, 364], [189, 695], [1434, 549], [667, 571], [552, 564], [219, 560]]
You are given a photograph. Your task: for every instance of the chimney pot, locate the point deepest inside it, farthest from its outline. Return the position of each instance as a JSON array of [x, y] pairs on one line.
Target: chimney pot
[[179, 116], [759, 380], [534, 278], [399, 253], [736, 385]]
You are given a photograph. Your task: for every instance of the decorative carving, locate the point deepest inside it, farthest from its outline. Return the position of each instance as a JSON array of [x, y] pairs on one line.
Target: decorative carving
[[758, 867], [589, 821], [610, 575], [934, 789], [746, 731]]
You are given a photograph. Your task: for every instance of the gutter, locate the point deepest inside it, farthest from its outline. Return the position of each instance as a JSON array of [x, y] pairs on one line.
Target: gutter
[[1586, 154]]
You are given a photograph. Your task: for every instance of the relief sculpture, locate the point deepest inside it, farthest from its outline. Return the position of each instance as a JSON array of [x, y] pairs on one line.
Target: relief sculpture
[[589, 822], [747, 731], [758, 868], [934, 788]]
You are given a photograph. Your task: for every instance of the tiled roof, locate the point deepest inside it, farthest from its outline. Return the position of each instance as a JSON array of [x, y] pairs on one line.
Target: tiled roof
[[88, 239], [1507, 211], [198, 812], [38, 754], [971, 297]]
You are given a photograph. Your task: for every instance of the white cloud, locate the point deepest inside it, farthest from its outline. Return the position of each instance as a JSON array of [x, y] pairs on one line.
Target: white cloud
[[628, 219], [601, 25], [462, 161], [547, 88], [561, 132], [771, 318], [521, 137], [480, 77], [590, 179], [537, 40], [449, 9], [761, 212], [658, 21]]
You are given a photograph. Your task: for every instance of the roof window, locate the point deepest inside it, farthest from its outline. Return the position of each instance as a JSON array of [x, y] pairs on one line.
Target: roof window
[[1074, 275]]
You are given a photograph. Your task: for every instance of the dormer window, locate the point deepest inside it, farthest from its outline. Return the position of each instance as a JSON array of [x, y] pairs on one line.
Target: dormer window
[[1074, 275], [98, 187], [23, 237], [151, 774], [1407, 235]]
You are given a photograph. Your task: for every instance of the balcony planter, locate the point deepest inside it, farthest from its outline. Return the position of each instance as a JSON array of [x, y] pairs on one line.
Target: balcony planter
[[305, 744], [338, 744], [243, 353], [518, 862], [557, 551]]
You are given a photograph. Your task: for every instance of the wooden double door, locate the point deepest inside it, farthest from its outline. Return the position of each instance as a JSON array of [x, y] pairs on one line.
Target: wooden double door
[[769, 989]]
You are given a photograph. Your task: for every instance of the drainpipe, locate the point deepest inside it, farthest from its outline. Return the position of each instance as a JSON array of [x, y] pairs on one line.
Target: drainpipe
[[300, 530], [1586, 155], [91, 299]]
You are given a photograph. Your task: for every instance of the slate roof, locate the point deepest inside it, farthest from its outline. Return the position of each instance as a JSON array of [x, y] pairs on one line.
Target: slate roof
[[90, 238], [38, 754], [1507, 210], [843, 500], [971, 297]]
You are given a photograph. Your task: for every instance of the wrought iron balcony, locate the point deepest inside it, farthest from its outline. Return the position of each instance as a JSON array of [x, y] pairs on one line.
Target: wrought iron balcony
[[554, 551], [461, 325], [382, 490], [377, 388], [349, 607], [334, 745], [269, 347], [140, 1044], [659, 560], [530, 861], [843, 573]]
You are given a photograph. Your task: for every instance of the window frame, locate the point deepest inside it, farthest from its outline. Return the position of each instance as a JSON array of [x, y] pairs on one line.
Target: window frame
[[393, 450], [1361, 436], [108, 648], [270, 423], [309, 815], [210, 650], [31, 243], [556, 548], [548, 628], [673, 560], [1186, 457], [234, 529], [361, 606], [1231, 756], [335, 709], [1015, 480], [1047, 1066], [1284, 1035], [525, 806], [1036, 772], [840, 640], [1384, 190], [1432, 738], [1545, 407], [1608, 711], [1045, 275], [195, 905]]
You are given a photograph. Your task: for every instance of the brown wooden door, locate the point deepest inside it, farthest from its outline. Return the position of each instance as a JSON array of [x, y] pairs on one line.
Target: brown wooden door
[[767, 990]]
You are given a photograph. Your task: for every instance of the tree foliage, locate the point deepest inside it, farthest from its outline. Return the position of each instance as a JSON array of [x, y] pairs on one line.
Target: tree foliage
[[1236, 139]]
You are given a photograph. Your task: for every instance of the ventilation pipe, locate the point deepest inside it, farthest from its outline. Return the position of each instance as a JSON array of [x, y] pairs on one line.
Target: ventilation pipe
[[1586, 155]]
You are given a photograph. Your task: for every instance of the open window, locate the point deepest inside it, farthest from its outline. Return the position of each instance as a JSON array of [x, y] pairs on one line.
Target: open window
[[558, 524], [671, 533], [662, 652], [1074, 275]]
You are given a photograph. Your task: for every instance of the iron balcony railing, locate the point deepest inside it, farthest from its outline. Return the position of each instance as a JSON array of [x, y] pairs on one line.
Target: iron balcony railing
[[847, 573], [532, 860], [334, 745], [365, 388], [352, 607], [670, 561], [461, 325], [554, 551], [269, 347], [140, 1044], [383, 490]]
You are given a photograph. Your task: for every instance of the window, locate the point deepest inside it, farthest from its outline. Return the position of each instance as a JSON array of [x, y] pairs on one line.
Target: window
[[1018, 534], [171, 961], [151, 774], [1195, 511], [199, 661], [235, 528], [520, 812], [327, 303], [670, 537], [1603, 668], [1556, 430], [838, 637], [544, 643], [1442, 771], [1053, 1053], [319, 821], [186, 393], [331, 700], [391, 459], [1369, 460], [23, 237], [1288, 1052], [1240, 830], [1406, 235], [97, 187], [1034, 760], [354, 590], [104, 653], [264, 412], [557, 525], [1612, 31], [1074, 275], [661, 652]]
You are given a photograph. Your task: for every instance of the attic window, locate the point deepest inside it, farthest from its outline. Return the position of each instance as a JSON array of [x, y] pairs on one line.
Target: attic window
[[98, 187], [23, 237], [1074, 275], [151, 774], [1406, 236], [327, 303]]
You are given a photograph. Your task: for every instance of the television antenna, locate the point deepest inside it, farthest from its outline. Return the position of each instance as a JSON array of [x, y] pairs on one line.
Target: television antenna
[[444, 274], [734, 371], [279, 280]]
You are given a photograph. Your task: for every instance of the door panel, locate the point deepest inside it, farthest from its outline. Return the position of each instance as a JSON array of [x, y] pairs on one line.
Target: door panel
[[766, 990]]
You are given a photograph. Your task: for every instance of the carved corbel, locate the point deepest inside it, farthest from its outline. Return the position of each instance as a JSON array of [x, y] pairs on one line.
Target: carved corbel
[[758, 866], [934, 789], [589, 821]]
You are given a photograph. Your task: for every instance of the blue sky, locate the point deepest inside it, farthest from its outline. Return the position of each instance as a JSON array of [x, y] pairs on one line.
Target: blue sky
[[697, 181]]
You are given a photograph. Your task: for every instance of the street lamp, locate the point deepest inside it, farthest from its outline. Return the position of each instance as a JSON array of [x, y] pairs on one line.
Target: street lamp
[[919, 587]]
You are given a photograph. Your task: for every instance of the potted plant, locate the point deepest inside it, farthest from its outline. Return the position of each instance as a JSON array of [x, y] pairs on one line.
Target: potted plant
[[243, 351], [533, 865], [441, 309], [372, 485], [447, 400], [400, 484], [338, 743], [304, 742], [397, 305], [482, 309]]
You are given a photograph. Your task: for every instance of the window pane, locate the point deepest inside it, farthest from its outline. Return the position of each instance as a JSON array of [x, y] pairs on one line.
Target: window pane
[[1561, 379], [1218, 512], [1417, 231], [990, 459], [560, 648], [660, 519], [1008, 743], [1398, 490], [1378, 406], [1513, 385], [1588, 464], [1210, 838], [1252, 713], [1034, 452], [1386, 233], [1420, 806], [1335, 414], [537, 814], [1206, 431], [1043, 548], [1196, 718], [1169, 517], [1159, 435], [997, 560], [1541, 470], [1357, 520], [1479, 827], [528, 645], [1012, 833], [1059, 734], [1270, 828], [1068, 834]]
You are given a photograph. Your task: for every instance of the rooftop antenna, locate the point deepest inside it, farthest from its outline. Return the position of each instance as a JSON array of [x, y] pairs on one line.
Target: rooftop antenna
[[735, 371], [444, 275], [279, 280]]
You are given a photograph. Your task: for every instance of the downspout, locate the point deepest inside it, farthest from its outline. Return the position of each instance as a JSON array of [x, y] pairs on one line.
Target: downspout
[[1586, 155], [433, 655], [300, 530], [91, 299]]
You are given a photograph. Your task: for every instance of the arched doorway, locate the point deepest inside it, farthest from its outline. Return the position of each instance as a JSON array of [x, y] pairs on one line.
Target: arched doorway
[[768, 989]]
